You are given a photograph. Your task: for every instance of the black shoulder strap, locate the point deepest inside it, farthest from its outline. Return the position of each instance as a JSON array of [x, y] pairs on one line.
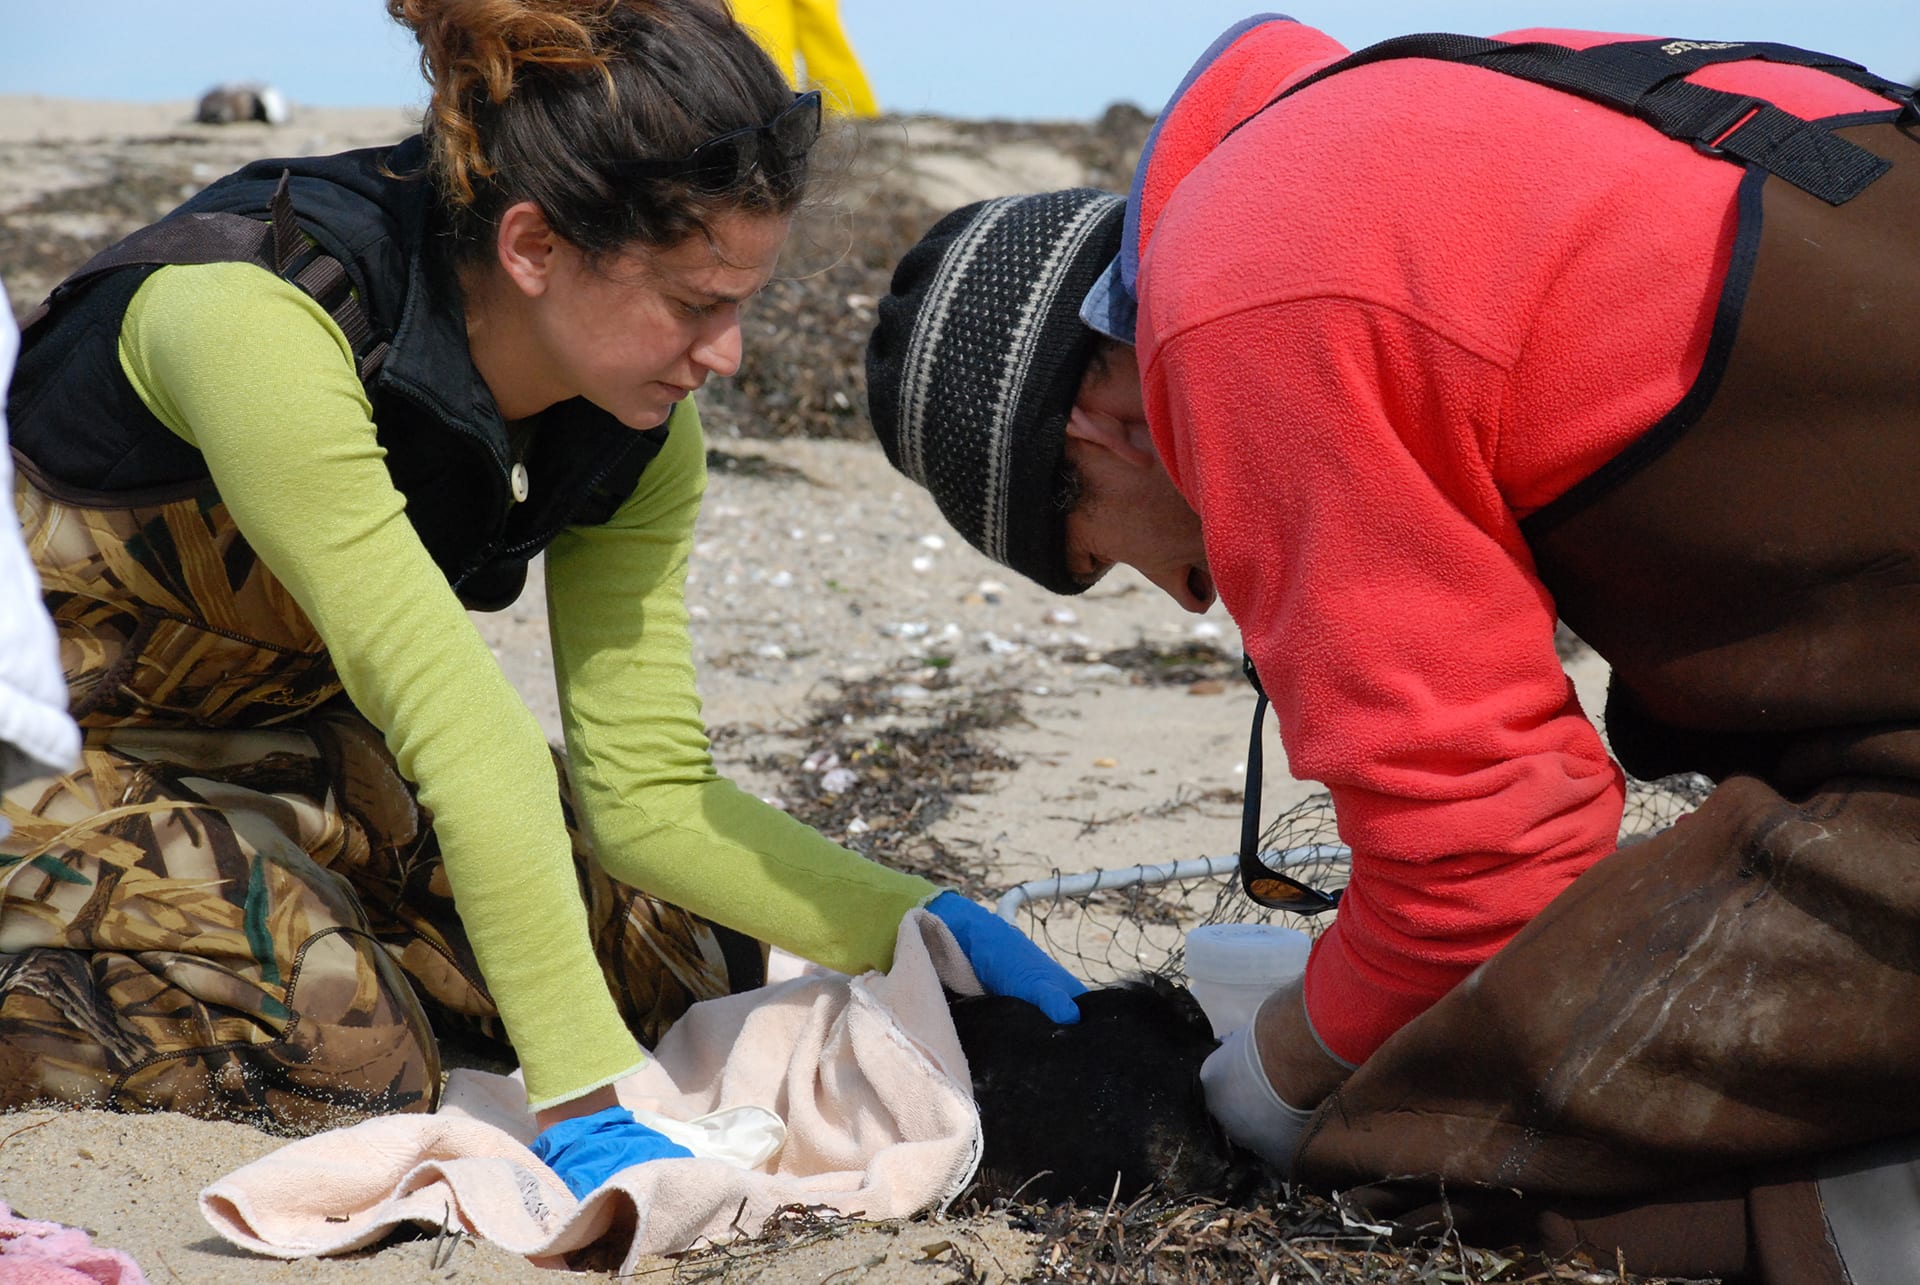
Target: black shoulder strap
[[278, 247], [1647, 78]]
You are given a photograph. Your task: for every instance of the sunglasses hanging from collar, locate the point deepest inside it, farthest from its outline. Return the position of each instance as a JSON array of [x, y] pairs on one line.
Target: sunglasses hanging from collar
[[1264, 885]]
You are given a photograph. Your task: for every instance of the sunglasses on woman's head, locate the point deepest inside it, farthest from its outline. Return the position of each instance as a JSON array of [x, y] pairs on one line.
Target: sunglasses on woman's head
[[725, 161], [1264, 885]]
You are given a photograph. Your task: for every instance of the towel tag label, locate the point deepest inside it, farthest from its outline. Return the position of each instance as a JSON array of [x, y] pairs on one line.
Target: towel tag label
[[532, 1196]]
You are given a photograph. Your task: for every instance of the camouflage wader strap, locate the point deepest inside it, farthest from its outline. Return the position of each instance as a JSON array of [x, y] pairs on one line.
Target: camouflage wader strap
[[1647, 79], [279, 247]]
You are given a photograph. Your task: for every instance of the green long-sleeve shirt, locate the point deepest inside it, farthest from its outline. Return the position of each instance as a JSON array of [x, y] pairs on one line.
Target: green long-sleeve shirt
[[254, 374]]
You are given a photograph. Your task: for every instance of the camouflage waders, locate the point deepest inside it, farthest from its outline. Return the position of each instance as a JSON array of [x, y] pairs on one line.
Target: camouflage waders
[[235, 906]]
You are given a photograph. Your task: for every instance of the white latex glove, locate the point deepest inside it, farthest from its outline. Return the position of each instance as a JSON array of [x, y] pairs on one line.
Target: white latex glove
[[1242, 1099]]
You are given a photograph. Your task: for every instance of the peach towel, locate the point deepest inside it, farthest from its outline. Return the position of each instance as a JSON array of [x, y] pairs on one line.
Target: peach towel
[[866, 1072]]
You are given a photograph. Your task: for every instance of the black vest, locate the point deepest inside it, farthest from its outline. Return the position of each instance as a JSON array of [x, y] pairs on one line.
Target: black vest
[[74, 415]]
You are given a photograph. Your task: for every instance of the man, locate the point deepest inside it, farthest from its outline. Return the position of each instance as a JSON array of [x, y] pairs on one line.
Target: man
[[1430, 351]]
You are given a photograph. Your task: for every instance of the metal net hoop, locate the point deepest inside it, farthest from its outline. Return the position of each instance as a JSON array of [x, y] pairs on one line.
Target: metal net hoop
[[1109, 924]]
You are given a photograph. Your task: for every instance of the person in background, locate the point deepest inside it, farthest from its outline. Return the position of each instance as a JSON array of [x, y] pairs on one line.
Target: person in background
[[809, 32], [36, 735], [273, 449], [1402, 358]]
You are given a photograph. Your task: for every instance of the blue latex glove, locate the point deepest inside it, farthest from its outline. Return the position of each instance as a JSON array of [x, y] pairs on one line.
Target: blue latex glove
[[1005, 961], [589, 1149]]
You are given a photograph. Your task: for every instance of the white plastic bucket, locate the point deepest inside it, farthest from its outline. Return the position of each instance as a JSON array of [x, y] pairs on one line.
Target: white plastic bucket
[[1231, 968]]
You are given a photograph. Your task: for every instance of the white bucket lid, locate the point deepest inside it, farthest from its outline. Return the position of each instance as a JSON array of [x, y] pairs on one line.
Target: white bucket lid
[[1271, 953]]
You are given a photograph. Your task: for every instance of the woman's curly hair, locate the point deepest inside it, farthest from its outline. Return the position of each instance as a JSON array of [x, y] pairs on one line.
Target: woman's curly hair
[[542, 100]]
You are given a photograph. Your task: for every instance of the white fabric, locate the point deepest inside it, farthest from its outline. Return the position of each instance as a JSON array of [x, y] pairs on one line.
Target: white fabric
[[36, 736], [866, 1073], [1243, 1100], [744, 1137]]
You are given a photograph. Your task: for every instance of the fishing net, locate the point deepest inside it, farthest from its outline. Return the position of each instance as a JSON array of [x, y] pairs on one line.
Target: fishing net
[[1105, 925]]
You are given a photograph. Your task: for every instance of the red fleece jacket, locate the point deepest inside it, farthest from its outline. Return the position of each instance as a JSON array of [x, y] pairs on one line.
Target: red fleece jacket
[[1380, 325]]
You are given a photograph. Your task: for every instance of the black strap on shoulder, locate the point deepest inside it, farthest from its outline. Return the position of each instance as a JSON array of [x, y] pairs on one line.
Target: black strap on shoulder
[[298, 260], [278, 247], [1647, 78]]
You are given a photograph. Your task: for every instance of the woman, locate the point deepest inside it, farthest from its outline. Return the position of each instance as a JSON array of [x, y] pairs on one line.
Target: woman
[[250, 489]]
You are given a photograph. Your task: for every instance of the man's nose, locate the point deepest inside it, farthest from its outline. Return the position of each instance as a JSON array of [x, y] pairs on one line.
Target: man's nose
[[1178, 584]]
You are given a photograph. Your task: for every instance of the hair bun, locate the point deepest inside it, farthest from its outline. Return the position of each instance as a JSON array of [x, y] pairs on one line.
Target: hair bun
[[474, 52], [542, 100]]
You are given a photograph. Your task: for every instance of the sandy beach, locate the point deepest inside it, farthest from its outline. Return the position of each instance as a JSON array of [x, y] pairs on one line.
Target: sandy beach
[[818, 572]]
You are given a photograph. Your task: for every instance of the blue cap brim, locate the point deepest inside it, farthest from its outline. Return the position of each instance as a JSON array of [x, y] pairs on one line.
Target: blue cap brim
[[1109, 307]]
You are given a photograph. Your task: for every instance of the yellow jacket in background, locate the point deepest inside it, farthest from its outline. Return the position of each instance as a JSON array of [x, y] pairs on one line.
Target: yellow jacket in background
[[811, 30]]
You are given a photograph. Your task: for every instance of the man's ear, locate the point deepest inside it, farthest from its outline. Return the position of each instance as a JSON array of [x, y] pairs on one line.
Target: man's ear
[[528, 247], [1132, 441]]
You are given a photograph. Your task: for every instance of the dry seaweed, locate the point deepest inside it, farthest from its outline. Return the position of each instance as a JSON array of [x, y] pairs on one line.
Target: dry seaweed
[[757, 467], [794, 1228], [1151, 664], [38, 241], [907, 759], [804, 369], [1197, 1241], [1156, 1240]]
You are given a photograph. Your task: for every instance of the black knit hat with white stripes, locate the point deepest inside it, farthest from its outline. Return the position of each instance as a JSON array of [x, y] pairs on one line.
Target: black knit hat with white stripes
[[976, 360]]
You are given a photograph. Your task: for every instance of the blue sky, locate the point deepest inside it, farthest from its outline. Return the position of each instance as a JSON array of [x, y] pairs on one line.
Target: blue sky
[[1062, 59]]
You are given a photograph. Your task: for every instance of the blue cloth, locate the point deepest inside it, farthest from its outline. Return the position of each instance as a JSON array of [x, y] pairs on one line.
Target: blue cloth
[[1112, 305], [1005, 961], [589, 1149]]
